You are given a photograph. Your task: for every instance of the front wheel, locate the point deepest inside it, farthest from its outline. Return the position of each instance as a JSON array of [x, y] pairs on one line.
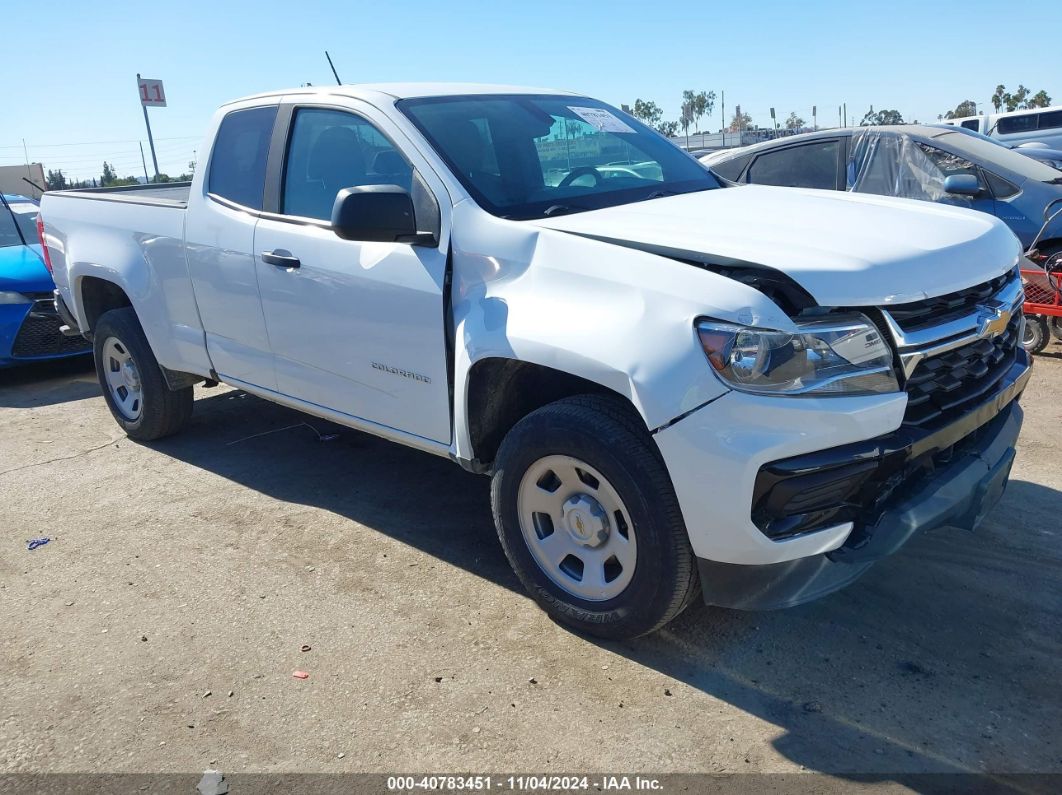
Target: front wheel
[[589, 520], [133, 385], [1036, 334]]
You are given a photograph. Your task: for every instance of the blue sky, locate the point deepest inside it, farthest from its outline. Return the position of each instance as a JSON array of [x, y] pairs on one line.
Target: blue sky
[[70, 74]]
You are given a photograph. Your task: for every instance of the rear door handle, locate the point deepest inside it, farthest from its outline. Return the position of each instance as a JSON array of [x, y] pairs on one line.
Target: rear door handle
[[282, 258]]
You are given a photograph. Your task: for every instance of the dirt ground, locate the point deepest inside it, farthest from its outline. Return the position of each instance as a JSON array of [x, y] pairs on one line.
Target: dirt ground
[[160, 627]]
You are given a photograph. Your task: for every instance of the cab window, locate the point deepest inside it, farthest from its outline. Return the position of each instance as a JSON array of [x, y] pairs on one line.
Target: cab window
[[330, 150], [238, 160]]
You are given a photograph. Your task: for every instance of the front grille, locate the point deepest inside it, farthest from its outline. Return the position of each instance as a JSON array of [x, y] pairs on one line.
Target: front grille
[[943, 384], [40, 335], [934, 311]]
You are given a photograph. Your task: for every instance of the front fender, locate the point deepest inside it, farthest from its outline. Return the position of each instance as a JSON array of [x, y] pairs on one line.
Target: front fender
[[620, 318]]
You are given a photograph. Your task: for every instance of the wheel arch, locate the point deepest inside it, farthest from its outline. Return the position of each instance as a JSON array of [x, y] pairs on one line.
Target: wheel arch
[[500, 391], [97, 295]]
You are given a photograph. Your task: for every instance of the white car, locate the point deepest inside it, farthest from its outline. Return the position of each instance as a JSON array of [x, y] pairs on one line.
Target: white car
[[677, 390], [1016, 128]]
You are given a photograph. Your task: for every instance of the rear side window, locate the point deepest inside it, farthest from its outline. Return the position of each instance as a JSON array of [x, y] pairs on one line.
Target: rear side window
[[972, 124], [809, 166], [731, 169], [1017, 124], [238, 162], [1050, 121]]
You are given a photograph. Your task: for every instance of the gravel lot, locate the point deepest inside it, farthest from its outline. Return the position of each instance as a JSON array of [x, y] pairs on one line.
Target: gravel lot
[[159, 629]]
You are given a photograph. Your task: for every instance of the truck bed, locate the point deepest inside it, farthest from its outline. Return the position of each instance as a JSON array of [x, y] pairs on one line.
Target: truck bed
[[168, 194]]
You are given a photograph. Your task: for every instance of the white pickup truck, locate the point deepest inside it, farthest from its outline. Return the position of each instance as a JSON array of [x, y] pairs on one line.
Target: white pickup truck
[[752, 395]]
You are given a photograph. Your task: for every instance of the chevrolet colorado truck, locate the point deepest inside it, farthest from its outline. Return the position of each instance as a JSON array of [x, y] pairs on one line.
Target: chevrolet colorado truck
[[677, 390]]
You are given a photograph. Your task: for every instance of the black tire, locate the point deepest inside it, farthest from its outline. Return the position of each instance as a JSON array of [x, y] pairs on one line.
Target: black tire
[[1036, 335], [164, 411], [607, 435]]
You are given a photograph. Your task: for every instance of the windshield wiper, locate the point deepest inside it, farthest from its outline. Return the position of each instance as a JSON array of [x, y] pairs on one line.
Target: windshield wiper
[[562, 209]]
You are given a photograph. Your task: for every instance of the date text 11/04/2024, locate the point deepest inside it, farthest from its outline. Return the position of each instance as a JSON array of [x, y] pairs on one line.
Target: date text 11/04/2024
[[522, 783]]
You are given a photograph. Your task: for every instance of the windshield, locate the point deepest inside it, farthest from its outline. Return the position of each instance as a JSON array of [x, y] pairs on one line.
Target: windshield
[[528, 156], [989, 154], [24, 214]]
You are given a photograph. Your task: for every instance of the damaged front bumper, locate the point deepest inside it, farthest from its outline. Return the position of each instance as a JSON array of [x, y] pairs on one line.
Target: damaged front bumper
[[888, 488]]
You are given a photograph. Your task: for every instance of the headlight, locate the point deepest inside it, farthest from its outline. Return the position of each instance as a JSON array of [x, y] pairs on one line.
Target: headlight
[[14, 298], [843, 355]]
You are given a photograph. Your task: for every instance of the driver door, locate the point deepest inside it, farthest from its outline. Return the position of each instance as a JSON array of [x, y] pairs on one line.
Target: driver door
[[356, 327]]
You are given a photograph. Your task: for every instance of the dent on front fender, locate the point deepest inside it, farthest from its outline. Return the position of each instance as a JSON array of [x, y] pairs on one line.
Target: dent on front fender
[[618, 317]]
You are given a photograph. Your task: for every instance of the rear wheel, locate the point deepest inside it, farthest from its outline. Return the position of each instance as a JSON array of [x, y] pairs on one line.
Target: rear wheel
[[589, 520], [1036, 334], [132, 382]]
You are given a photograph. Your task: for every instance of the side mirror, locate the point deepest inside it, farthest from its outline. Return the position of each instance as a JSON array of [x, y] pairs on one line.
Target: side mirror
[[377, 213], [962, 185]]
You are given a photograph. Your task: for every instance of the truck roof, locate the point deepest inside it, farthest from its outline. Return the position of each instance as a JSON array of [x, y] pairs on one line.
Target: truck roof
[[405, 90]]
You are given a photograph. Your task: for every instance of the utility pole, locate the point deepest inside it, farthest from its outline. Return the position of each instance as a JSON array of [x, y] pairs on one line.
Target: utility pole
[[144, 99], [143, 162], [845, 114], [815, 117], [25, 152], [722, 113]]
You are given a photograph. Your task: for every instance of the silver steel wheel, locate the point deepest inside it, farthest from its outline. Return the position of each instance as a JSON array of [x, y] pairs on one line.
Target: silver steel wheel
[[123, 379], [577, 528]]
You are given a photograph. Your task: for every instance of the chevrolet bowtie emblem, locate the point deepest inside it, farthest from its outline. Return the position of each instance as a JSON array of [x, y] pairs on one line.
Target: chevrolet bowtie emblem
[[992, 318]]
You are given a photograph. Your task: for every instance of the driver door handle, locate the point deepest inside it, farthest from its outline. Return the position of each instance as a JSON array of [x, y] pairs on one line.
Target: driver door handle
[[282, 258]]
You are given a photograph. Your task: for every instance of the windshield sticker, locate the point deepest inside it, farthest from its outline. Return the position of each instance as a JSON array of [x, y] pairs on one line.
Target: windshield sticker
[[601, 120]]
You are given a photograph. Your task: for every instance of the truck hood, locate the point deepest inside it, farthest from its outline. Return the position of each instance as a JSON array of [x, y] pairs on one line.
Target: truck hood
[[22, 270], [844, 249]]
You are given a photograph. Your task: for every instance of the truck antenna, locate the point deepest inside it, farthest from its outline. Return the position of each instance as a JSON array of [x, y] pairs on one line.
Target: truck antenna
[[329, 57]]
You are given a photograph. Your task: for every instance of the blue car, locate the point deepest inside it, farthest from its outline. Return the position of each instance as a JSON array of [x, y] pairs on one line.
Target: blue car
[[29, 324], [946, 165]]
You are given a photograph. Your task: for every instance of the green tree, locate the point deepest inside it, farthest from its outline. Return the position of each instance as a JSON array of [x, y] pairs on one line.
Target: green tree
[[741, 121], [965, 108], [695, 106], [109, 176], [1022, 99], [794, 122], [646, 110], [56, 180], [1016, 101], [881, 117], [999, 97], [668, 129], [1039, 100], [686, 120]]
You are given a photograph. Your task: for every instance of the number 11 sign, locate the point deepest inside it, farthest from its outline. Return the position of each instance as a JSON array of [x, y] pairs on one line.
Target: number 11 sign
[[151, 93]]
